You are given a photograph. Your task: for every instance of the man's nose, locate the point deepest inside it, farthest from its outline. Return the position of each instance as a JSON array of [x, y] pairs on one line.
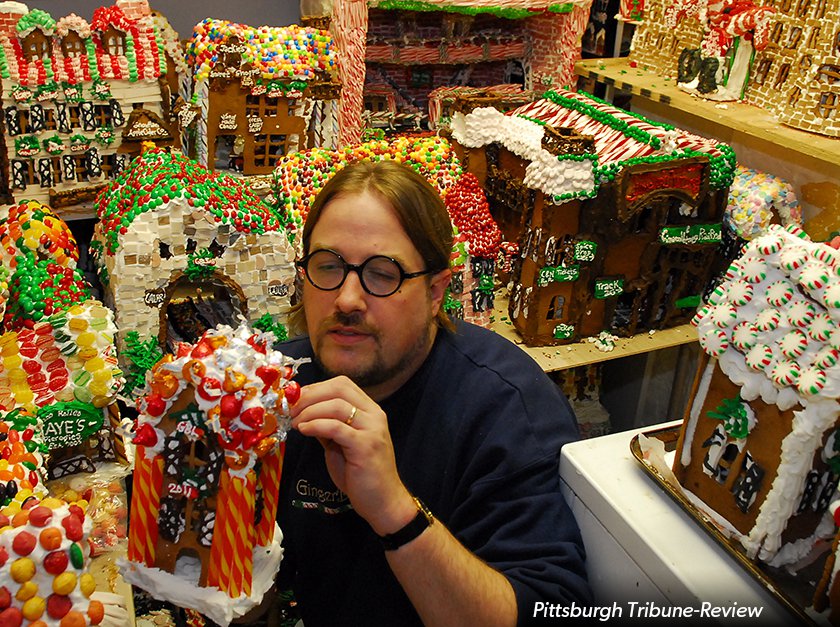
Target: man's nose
[[351, 294]]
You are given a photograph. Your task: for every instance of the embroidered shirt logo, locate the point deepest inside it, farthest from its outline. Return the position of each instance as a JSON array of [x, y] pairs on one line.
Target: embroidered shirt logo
[[313, 497]]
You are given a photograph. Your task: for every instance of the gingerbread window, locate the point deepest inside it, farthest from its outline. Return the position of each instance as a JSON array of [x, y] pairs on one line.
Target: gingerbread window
[[813, 37], [762, 70], [114, 41], [794, 38], [555, 308], [827, 107], [802, 8], [81, 162], [819, 10], [72, 45], [776, 33], [269, 148], [261, 107], [36, 45], [782, 76]]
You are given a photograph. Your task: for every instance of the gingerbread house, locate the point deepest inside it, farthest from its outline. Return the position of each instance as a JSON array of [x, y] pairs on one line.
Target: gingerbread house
[[260, 93], [618, 219], [410, 47], [209, 443], [758, 447], [78, 98], [477, 242], [181, 249], [782, 57]]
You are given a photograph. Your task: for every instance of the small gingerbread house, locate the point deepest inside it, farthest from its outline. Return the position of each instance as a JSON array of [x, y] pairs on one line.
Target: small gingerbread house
[[260, 93], [618, 219], [477, 242], [759, 444], [210, 440], [78, 98], [181, 249], [782, 57], [411, 47]]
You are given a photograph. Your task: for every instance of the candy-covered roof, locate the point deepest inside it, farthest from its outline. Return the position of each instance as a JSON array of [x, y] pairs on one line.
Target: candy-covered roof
[[277, 53], [773, 322], [299, 176], [620, 139], [143, 56], [243, 389], [158, 177]]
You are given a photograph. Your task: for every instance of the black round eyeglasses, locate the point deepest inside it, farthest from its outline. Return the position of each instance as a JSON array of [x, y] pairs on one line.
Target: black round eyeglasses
[[379, 275]]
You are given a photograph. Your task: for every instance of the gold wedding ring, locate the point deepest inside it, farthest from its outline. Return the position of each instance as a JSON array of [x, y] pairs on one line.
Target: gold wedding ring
[[352, 415]]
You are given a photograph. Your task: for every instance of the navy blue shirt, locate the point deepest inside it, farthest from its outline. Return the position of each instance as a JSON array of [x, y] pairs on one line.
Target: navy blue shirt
[[477, 433]]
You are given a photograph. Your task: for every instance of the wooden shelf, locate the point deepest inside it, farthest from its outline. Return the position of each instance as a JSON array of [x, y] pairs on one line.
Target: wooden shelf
[[730, 119], [552, 358]]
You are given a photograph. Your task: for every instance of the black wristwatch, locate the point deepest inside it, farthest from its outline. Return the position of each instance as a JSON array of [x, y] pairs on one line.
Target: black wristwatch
[[418, 525]]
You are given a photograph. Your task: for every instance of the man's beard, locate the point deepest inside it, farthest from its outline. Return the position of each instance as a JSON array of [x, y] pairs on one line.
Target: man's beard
[[378, 371]]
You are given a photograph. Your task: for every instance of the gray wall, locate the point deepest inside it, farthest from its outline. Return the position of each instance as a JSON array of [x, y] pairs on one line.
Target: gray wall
[[184, 14]]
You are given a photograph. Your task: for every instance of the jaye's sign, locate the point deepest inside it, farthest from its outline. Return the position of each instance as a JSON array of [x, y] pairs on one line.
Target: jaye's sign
[[607, 288], [69, 424]]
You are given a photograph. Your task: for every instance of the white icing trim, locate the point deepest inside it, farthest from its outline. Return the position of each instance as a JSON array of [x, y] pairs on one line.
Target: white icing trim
[[694, 415], [212, 602]]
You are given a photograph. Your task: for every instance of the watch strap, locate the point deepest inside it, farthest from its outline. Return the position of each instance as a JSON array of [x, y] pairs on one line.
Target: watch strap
[[417, 525]]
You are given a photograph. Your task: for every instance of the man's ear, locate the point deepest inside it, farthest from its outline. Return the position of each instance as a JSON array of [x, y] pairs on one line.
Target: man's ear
[[438, 285]]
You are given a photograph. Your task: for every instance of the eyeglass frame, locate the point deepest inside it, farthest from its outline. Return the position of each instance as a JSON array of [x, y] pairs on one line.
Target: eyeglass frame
[[358, 268]]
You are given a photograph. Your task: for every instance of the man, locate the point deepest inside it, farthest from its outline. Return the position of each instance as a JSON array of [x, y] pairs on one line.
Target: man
[[421, 478]]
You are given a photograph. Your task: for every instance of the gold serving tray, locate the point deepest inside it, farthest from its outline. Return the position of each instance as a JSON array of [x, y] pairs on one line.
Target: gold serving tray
[[793, 592]]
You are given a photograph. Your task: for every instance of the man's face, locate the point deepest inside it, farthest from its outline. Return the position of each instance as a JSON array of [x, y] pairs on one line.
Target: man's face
[[379, 342]]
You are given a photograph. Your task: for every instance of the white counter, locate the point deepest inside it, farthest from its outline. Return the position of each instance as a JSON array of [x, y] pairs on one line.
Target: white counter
[[641, 545]]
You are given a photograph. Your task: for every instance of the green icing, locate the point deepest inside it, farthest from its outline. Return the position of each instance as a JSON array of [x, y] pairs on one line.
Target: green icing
[[157, 176], [507, 13], [36, 17]]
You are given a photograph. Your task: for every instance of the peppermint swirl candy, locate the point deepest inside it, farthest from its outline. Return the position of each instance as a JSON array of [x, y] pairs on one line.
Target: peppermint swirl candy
[[826, 254], [744, 336], [717, 295], [740, 292], [769, 244], [723, 316], [759, 357], [714, 342], [814, 276], [826, 357], [812, 381], [793, 257], [701, 315], [801, 313], [768, 319], [834, 339], [754, 270], [831, 296], [821, 328], [779, 293], [793, 344], [733, 271], [785, 372]]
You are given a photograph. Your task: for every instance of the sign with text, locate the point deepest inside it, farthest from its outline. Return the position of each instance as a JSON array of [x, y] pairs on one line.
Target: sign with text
[[70, 423]]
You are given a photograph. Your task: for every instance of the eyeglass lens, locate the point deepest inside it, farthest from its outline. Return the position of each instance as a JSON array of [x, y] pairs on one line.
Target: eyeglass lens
[[379, 275]]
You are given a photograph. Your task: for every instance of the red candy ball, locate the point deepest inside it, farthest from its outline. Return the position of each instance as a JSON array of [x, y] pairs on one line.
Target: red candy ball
[[24, 543]]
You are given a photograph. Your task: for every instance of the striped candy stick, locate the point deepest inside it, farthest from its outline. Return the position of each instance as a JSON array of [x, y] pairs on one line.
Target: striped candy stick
[[232, 550], [272, 469], [145, 507]]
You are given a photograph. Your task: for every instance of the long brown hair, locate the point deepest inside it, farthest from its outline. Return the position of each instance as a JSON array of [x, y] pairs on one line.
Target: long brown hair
[[417, 205]]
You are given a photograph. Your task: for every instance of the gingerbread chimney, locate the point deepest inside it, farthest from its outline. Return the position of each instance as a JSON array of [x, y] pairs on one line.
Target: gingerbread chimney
[[134, 9], [10, 13]]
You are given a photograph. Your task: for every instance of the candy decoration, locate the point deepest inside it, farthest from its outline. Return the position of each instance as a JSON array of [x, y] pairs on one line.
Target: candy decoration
[[143, 526], [269, 481], [793, 344], [744, 336], [760, 357], [779, 293], [231, 559]]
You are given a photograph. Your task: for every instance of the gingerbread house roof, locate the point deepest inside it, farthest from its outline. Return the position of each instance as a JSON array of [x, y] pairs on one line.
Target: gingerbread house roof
[[773, 322], [282, 54], [158, 177], [299, 176], [510, 9], [143, 58], [620, 138]]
